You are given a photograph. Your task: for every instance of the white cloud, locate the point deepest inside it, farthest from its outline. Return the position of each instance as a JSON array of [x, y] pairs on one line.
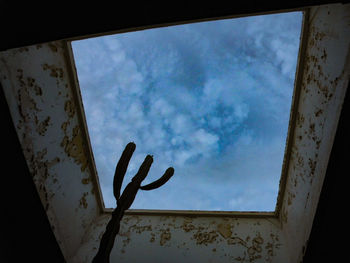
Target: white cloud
[[162, 107], [205, 141], [181, 157], [182, 125]]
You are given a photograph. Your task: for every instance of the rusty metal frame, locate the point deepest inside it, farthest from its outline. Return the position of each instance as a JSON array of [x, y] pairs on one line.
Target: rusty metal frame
[[198, 213], [299, 73], [83, 124]]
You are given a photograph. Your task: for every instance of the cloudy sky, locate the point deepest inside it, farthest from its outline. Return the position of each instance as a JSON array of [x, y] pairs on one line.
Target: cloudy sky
[[211, 99]]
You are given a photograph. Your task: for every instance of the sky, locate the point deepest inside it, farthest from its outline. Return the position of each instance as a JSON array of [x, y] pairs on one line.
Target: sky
[[211, 99]]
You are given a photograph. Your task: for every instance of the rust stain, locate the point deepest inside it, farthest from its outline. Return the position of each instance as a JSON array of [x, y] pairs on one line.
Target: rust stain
[[324, 90], [284, 215], [312, 128], [64, 126], [40, 166], [252, 252], [85, 180], [300, 160], [55, 72], [319, 36], [26, 104], [295, 181], [69, 108], [300, 119], [205, 238], [253, 248], [36, 88], [74, 147], [312, 166], [324, 55], [140, 229], [41, 127], [53, 47], [271, 246], [290, 198], [165, 236], [82, 201], [307, 200], [225, 230], [318, 143], [236, 240], [153, 238], [53, 162], [318, 113], [187, 227]]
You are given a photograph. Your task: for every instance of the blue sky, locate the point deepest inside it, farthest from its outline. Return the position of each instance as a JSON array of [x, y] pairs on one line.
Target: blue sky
[[211, 99]]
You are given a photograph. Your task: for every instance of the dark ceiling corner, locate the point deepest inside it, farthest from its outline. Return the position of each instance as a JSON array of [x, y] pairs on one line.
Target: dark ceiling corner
[[327, 242], [25, 234], [43, 23]]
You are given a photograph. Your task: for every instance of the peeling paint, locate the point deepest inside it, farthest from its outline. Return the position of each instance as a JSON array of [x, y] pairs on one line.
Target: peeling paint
[[165, 236], [205, 238], [85, 180], [74, 147], [28, 76], [254, 249], [64, 126], [26, 103], [187, 225], [69, 108], [82, 202], [53, 47], [314, 132], [41, 127], [225, 230], [55, 72]]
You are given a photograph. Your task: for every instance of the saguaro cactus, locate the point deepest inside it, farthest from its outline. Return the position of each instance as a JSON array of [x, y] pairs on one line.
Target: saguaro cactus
[[127, 198]]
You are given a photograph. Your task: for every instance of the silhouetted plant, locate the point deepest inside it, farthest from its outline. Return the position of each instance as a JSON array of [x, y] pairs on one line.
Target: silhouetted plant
[[127, 198]]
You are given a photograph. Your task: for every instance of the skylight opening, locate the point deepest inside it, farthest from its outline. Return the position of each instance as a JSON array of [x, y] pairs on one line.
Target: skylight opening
[[212, 99]]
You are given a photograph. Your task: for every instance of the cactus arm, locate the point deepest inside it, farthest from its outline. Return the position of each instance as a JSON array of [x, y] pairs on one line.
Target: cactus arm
[[127, 198], [143, 170], [158, 183], [121, 167]]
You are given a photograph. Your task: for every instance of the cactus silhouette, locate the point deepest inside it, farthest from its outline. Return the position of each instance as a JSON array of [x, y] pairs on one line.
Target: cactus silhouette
[[125, 200]]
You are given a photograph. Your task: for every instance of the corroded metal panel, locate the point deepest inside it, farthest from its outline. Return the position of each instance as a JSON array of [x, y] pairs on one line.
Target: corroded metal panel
[[190, 239], [324, 79], [37, 86]]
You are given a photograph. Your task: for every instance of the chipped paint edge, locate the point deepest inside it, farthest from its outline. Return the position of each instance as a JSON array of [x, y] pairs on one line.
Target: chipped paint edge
[[71, 68], [299, 74]]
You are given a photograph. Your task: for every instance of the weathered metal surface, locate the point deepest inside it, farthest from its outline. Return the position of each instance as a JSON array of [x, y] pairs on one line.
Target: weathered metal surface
[[41, 93], [37, 86], [190, 239], [325, 77]]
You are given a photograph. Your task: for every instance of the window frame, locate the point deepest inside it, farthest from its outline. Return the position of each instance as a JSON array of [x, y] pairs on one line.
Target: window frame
[[289, 138]]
